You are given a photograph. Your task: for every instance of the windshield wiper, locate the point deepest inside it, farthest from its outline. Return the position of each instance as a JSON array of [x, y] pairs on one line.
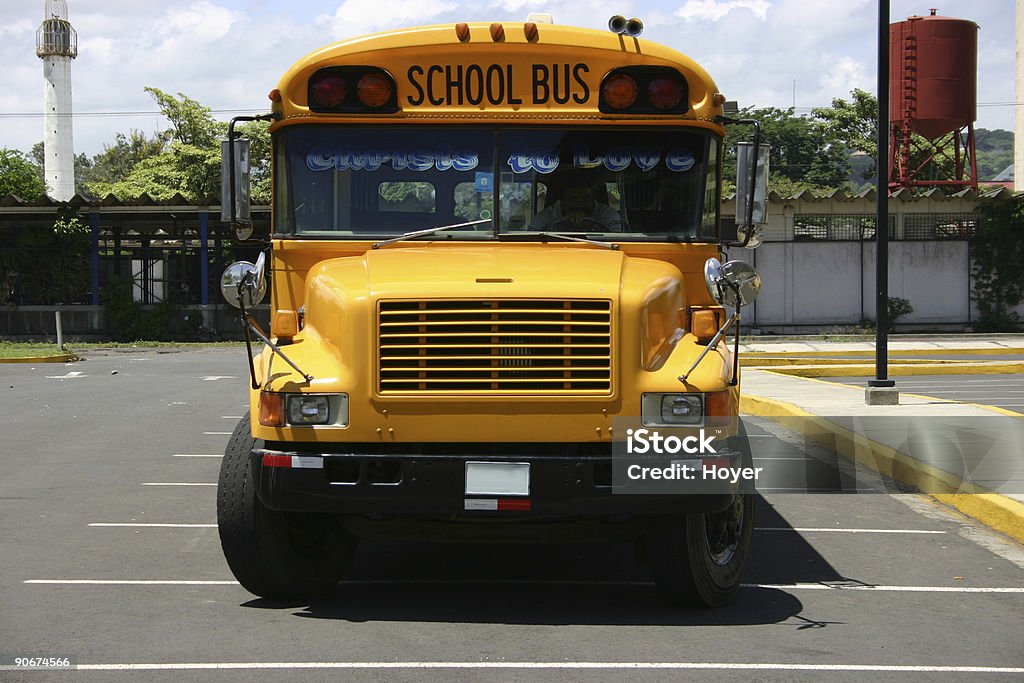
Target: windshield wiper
[[571, 237], [426, 231]]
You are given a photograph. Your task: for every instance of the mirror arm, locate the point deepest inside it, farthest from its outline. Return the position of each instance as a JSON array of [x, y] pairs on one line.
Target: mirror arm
[[243, 283], [736, 354], [712, 345], [231, 154], [251, 325], [749, 218]]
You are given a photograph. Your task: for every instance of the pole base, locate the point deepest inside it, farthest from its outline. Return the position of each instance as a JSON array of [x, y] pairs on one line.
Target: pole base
[[882, 396]]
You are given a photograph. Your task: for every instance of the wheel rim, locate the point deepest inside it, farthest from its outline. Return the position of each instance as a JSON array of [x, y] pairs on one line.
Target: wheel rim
[[723, 530]]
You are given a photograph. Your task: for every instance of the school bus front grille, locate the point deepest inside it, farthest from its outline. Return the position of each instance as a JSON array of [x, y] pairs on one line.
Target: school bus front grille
[[507, 346]]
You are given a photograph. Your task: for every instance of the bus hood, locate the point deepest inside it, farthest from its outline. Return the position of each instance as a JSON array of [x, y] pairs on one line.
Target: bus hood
[[645, 295], [520, 271]]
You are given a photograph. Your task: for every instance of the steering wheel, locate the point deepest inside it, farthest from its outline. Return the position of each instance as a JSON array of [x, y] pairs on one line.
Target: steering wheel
[[566, 221]]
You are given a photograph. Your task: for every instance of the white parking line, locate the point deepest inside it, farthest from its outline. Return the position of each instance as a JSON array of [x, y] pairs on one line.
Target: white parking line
[[847, 531], [488, 582], [160, 525], [117, 582], [492, 665], [231, 417], [760, 528], [178, 483], [217, 433]]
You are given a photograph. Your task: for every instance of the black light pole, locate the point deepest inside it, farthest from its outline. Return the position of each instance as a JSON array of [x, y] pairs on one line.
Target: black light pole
[[882, 209]]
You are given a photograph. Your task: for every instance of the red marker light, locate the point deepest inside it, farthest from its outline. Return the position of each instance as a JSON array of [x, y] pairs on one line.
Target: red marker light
[[272, 460], [329, 90], [665, 93], [373, 90], [619, 91]]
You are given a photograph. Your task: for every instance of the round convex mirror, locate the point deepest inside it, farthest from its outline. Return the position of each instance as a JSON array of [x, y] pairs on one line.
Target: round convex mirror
[[733, 283], [712, 276], [745, 280], [233, 275]]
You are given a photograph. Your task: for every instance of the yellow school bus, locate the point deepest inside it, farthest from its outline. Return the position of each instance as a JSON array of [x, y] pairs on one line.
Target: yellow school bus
[[497, 311]]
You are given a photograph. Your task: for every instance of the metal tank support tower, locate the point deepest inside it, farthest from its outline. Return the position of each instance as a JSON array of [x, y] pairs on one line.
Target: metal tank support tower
[[57, 45], [933, 66]]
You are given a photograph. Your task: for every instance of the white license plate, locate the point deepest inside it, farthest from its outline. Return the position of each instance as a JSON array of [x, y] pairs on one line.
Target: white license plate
[[498, 478]]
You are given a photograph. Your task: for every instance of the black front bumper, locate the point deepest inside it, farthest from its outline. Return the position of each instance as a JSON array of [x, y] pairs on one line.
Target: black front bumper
[[431, 482]]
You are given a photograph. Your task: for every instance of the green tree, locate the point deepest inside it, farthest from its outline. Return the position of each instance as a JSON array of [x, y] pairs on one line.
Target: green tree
[[184, 159], [188, 161], [116, 161], [803, 156], [997, 250], [19, 176], [995, 151], [853, 124]]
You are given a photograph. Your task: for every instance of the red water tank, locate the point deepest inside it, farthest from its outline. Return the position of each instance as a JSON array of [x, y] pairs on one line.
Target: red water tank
[[933, 66]]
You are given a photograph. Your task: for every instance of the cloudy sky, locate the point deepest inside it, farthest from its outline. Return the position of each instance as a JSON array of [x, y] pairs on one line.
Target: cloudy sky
[[229, 53]]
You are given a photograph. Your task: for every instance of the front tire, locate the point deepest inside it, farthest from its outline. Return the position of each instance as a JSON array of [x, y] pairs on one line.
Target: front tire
[[275, 554], [698, 559]]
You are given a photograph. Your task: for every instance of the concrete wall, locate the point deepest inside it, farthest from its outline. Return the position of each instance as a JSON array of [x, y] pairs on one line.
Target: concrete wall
[[817, 285]]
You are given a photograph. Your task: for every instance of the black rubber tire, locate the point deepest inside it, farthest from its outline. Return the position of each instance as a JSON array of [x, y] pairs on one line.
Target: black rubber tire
[[274, 554], [679, 547]]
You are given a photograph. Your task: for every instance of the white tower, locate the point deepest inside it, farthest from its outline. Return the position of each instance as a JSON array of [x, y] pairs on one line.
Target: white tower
[[57, 45]]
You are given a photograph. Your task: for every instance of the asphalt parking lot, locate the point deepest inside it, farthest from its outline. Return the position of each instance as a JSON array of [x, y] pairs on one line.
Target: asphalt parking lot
[[1001, 391], [110, 556]]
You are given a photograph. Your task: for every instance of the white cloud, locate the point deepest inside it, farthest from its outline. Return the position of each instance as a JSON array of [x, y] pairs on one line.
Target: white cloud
[[354, 17], [846, 74], [201, 22], [228, 54], [713, 10], [101, 48], [16, 29]]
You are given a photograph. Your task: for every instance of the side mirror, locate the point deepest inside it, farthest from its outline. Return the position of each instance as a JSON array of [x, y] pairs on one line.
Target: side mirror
[[733, 283], [234, 186], [243, 282], [751, 192]]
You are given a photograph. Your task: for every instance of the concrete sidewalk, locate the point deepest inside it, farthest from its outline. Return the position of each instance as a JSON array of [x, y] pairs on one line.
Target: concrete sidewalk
[[981, 344], [965, 455]]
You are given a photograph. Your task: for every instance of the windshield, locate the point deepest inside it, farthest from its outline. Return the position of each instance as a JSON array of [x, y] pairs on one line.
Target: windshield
[[364, 182]]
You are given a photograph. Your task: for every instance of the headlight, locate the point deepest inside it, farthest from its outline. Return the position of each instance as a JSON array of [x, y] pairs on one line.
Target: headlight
[[303, 410], [666, 410], [308, 409]]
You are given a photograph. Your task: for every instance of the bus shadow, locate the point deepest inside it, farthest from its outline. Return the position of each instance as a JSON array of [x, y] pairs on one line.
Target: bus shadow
[[585, 584]]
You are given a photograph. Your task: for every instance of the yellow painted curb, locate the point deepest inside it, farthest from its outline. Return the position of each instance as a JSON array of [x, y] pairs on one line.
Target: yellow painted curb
[[62, 358], [773, 361], [991, 509], [897, 370], [870, 353]]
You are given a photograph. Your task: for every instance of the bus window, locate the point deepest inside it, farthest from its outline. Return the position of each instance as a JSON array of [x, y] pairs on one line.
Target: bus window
[[368, 181], [473, 201], [407, 197], [651, 183]]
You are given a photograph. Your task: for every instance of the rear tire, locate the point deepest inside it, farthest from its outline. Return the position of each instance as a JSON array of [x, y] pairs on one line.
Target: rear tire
[[275, 554], [698, 559]]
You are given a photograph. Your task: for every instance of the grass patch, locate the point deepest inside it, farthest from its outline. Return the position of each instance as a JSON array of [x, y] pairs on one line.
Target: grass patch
[[28, 349], [9, 349]]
